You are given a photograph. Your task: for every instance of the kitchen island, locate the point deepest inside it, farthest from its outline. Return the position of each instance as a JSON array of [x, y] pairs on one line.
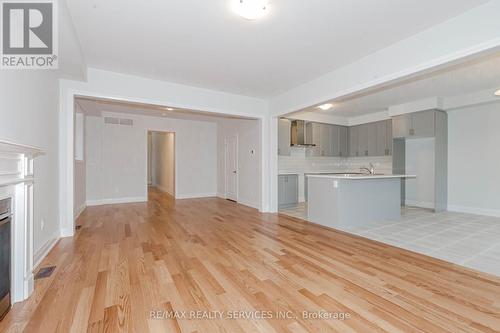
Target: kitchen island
[[354, 200]]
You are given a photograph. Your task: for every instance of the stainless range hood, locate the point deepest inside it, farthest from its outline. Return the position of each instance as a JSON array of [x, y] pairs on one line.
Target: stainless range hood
[[298, 137]]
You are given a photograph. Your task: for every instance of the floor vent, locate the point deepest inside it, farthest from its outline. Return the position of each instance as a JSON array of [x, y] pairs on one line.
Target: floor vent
[[45, 272]]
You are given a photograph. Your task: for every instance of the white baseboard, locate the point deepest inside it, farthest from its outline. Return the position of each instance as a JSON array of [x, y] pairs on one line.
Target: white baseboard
[[113, 201], [221, 195], [43, 251], [195, 195], [248, 203], [474, 210], [421, 204], [67, 232], [80, 210]]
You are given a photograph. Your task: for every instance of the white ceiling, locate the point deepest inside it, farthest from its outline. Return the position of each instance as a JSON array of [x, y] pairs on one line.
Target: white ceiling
[[460, 80], [202, 43], [95, 107]]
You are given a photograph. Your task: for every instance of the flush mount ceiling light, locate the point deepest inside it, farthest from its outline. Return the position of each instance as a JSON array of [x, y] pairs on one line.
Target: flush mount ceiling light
[[326, 106], [169, 109], [251, 9], [497, 93]]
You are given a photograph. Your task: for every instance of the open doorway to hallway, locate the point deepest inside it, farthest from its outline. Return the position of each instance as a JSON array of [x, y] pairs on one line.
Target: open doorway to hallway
[[161, 161], [231, 167]]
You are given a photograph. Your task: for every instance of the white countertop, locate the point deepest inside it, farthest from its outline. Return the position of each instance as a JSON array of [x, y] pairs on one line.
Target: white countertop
[[293, 172], [361, 176]]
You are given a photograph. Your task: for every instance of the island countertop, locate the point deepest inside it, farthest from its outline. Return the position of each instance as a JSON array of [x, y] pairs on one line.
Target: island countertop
[[360, 176]]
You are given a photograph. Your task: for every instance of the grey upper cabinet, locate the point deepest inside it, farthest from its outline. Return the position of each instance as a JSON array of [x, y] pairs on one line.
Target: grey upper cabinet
[[367, 143], [334, 140], [326, 141], [372, 139], [381, 131], [330, 140], [422, 124], [353, 141], [362, 140], [388, 137], [284, 137], [314, 135], [343, 141], [401, 126], [384, 137], [417, 124]]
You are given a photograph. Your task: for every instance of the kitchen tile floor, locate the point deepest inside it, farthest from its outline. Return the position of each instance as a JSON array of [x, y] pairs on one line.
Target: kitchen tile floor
[[469, 240]]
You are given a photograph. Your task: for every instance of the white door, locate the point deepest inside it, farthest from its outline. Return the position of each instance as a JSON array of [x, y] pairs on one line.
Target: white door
[[232, 168]]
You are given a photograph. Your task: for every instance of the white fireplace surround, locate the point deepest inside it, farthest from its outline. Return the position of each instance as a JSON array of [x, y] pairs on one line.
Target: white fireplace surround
[[16, 182]]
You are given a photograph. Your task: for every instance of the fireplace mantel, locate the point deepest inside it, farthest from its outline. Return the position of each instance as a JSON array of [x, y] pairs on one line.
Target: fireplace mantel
[[16, 182]]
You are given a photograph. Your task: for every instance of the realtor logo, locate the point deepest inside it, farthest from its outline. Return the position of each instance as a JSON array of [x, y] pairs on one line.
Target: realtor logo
[[29, 36]]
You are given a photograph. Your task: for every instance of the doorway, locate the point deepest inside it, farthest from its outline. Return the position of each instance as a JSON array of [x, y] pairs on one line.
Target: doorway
[[161, 161], [232, 168]]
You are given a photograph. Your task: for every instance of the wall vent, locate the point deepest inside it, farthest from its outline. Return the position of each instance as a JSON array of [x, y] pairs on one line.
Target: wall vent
[[118, 121]]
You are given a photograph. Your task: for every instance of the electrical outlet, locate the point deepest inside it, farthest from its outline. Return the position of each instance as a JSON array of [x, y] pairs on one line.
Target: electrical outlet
[[42, 224]]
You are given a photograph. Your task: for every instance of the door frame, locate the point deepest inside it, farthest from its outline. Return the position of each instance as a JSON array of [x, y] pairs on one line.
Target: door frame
[[226, 140]]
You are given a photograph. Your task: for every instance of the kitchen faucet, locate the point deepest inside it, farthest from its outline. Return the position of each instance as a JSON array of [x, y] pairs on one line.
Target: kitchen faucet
[[370, 170]]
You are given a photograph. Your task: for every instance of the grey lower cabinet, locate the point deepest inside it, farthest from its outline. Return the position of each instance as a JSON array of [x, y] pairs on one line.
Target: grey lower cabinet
[[288, 190], [418, 124], [284, 126]]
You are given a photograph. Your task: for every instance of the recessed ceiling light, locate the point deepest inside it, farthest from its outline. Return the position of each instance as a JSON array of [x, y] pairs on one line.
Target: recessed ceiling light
[[251, 9], [497, 93], [326, 106], [169, 109]]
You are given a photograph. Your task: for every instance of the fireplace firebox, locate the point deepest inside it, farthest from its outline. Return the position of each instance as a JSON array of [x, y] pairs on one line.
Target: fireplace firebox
[[5, 256]]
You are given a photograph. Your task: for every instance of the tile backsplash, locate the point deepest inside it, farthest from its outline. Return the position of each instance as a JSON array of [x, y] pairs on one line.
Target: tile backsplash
[[299, 162]]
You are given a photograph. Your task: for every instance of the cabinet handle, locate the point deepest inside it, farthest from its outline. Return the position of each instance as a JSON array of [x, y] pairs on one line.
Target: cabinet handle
[[412, 131]]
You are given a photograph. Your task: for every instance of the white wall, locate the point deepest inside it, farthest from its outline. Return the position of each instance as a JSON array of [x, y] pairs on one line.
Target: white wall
[[29, 109], [420, 161], [249, 164], [474, 159], [117, 158], [163, 161]]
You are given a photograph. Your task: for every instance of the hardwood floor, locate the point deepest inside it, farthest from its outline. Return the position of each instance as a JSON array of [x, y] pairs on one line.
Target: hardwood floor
[[129, 265]]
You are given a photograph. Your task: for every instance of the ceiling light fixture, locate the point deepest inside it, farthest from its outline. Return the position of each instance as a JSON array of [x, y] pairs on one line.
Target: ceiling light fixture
[[326, 106], [497, 93], [251, 9], [169, 109]]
